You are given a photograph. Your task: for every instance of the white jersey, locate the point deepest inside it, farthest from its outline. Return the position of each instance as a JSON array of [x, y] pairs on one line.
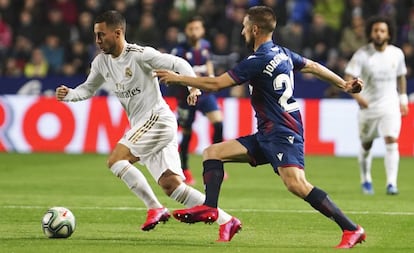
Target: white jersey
[[130, 77], [379, 71]]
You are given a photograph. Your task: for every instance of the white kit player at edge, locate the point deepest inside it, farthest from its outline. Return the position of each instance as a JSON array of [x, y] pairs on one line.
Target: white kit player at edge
[[152, 139], [382, 101]]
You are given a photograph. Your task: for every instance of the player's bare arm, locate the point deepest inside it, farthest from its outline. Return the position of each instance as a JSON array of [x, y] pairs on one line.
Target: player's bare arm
[[61, 92], [351, 86], [402, 90], [203, 83]]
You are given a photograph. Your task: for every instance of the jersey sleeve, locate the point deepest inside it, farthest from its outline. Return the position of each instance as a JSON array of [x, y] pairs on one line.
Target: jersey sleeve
[[243, 71], [154, 59], [88, 88], [401, 68], [298, 60], [354, 66]]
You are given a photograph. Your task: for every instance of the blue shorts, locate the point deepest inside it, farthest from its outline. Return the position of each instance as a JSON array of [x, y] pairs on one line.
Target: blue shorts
[[206, 103], [279, 151]]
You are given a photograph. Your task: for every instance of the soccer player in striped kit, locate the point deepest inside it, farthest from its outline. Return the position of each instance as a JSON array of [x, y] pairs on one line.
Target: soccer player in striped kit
[[152, 139], [279, 140]]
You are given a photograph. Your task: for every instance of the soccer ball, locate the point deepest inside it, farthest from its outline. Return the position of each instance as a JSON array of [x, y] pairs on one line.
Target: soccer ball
[[58, 222]]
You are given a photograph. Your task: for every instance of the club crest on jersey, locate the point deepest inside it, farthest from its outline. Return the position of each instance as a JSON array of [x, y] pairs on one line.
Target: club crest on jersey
[[128, 72]]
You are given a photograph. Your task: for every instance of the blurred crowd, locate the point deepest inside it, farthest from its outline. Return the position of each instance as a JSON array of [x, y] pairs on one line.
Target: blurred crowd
[[55, 37]]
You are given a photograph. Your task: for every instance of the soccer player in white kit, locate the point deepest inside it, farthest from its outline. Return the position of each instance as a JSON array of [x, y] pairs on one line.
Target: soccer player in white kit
[[152, 139], [382, 101]]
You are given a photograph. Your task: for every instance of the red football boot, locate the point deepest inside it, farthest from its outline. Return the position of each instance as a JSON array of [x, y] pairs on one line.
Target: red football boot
[[351, 238], [195, 214], [229, 229], [155, 216]]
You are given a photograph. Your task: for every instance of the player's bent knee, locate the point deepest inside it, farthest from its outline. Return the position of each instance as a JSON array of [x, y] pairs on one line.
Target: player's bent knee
[[211, 152]]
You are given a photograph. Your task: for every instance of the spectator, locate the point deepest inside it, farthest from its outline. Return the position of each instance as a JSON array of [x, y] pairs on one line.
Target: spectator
[[185, 7], [38, 9], [53, 52], [330, 10], [359, 8], [83, 28], [280, 9], [300, 11], [76, 59], [92, 6], [27, 27], [211, 11], [11, 68], [232, 27], [292, 36], [21, 50], [128, 10], [320, 40], [37, 67], [223, 58], [353, 37], [171, 38], [7, 12], [69, 10], [6, 37], [147, 32], [57, 26]]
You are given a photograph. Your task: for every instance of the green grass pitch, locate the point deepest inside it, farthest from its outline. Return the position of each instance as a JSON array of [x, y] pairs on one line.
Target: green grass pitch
[[109, 216]]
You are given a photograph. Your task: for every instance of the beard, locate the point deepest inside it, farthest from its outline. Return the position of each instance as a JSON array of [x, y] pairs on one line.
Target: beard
[[250, 44], [109, 49], [379, 43]]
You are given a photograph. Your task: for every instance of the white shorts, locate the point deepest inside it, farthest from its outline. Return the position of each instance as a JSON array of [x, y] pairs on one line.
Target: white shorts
[[371, 127], [154, 141]]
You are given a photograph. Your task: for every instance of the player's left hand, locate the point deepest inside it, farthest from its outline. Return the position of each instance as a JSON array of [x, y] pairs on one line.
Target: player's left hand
[[193, 96], [354, 85]]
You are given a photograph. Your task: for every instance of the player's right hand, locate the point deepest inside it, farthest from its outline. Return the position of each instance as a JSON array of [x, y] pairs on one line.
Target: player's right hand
[[61, 92], [193, 96]]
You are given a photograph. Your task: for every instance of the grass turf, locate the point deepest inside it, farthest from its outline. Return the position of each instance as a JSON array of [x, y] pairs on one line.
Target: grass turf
[[109, 216]]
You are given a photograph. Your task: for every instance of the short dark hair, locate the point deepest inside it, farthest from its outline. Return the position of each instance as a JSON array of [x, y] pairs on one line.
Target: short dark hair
[[380, 19], [195, 18], [263, 17], [112, 18]]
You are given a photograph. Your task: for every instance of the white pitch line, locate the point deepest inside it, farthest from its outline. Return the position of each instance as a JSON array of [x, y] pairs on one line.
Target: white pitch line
[[126, 208]]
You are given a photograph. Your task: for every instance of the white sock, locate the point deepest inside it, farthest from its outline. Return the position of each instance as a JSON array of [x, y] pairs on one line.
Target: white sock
[[391, 161], [365, 161], [136, 182], [190, 197]]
